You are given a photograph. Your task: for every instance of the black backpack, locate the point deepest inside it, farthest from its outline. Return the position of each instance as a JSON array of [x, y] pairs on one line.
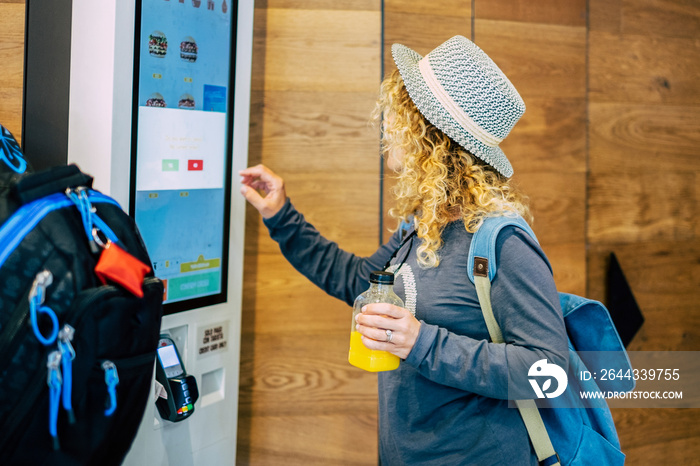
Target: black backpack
[[80, 314]]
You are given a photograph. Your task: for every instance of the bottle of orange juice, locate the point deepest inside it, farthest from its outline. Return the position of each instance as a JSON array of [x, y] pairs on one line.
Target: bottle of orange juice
[[381, 290]]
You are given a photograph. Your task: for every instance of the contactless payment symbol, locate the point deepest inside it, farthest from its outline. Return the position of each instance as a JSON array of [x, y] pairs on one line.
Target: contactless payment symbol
[[10, 152], [544, 369], [195, 165]]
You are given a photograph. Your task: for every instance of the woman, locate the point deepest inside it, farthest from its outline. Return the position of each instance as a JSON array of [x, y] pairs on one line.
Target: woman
[[445, 115]]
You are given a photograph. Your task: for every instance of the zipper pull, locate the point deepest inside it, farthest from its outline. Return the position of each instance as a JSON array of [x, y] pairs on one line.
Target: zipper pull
[[111, 380], [53, 379], [43, 280], [80, 198], [65, 336], [37, 296]]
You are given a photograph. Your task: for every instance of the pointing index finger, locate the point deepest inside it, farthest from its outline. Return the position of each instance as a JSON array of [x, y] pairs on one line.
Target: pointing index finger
[[256, 170]]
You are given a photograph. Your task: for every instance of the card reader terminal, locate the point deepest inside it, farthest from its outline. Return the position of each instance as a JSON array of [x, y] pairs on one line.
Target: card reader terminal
[[181, 388]]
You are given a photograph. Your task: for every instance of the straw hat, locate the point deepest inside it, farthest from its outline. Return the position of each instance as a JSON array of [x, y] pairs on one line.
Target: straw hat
[[460, 90]]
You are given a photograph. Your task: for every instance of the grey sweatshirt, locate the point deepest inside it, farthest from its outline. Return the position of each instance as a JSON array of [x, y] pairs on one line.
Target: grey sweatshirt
[[447, 404]]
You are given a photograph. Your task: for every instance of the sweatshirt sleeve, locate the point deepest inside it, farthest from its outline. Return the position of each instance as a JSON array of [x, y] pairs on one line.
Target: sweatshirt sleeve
[[339, 273], [526, 306]]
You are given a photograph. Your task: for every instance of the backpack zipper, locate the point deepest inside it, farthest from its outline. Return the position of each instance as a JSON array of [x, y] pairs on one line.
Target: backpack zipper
[[38, 384], [11, 235], [29, 215]]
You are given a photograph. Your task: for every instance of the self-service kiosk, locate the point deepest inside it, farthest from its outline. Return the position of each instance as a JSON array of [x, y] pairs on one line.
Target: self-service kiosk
[[158, 111]]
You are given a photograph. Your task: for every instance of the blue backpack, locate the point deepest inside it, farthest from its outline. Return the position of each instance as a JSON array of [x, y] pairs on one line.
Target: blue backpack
[[570, 430]]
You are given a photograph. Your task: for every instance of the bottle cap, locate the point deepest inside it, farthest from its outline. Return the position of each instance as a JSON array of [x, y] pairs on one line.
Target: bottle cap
[[384, 278]]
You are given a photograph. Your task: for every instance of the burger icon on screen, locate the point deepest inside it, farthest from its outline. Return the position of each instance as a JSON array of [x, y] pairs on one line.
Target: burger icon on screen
[[188, 49], [157, 44], [156, 100], [186, 101]]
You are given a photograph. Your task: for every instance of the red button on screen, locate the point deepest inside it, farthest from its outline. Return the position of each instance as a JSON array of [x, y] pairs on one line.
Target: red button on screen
[[194, 165]]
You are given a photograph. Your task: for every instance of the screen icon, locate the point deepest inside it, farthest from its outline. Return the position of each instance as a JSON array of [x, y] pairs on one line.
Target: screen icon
[[195, 165]]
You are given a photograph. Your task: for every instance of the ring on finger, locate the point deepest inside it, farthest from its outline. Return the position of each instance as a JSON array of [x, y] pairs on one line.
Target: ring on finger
[[389, 335]]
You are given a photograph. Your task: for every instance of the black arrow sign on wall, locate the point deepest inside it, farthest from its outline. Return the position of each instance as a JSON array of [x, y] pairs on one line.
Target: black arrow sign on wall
[[624, 310]]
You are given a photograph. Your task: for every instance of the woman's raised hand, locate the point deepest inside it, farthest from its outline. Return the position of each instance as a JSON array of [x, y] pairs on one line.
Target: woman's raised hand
[[260, 178]]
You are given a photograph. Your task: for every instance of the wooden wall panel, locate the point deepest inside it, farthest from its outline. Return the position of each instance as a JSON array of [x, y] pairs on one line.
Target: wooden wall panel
[[664, 277], [628, 185], [549, 136], [659, 436], [322, 50], [547, 147], [304, 122], [558, 205], [541, 60], [554, 214], [564, 12], [422, 26], [316, 73], [630, 206], [643, 192], [12, 71], [644, 138], [604, 15], [566, 259], [362, 5], [658, 18], [643, 68], [304, 374], [274, 294], [321, 440], [665, 18]]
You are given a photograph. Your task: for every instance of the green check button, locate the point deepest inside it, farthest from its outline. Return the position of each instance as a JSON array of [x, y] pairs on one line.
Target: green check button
[[171, 165], [190, 285]]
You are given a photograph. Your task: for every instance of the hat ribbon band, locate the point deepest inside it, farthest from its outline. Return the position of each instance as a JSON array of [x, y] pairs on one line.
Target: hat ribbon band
[[452, 108]]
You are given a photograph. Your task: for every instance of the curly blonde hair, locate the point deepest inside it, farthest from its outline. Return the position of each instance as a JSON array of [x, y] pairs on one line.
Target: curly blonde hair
[[439, 181]]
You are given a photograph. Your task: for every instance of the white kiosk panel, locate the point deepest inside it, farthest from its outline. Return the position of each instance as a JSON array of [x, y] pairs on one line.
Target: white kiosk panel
[[100, 141]]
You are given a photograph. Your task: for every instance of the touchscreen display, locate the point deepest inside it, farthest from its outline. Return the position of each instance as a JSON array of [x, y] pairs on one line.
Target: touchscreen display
[[169, 361], [182, 143], [168, 356]]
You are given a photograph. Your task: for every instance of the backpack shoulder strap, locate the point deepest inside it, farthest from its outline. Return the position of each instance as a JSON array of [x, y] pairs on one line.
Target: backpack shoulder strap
[[482, 270], [483, 245]]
